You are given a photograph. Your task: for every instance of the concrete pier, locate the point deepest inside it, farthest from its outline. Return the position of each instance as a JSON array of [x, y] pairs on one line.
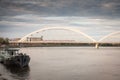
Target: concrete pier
[[97, 45]]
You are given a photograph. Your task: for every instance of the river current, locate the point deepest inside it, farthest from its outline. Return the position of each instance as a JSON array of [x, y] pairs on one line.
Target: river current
[[67, 63]]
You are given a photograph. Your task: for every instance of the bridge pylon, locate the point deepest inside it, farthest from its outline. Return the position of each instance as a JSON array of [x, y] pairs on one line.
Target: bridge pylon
[[97, 45]]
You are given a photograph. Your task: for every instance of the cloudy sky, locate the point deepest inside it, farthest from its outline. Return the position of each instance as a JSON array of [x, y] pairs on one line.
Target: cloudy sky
[[96, 18]]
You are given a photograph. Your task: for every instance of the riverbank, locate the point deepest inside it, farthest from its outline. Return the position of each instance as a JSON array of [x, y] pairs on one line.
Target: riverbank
[[62, 44]]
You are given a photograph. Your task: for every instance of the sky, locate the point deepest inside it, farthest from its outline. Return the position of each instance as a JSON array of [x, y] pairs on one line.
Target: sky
[[95, 18]]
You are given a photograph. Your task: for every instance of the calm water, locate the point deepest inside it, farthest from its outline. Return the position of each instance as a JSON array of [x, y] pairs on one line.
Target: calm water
[[67, 63]]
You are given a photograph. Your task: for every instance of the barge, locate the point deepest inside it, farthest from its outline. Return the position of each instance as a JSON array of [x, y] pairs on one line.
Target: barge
[[12, 56]]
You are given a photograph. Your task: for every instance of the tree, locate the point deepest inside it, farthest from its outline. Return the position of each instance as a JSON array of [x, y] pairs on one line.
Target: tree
[[4, 41], [1, 40]]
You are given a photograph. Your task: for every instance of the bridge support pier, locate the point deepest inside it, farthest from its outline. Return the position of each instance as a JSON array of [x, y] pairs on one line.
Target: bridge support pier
[[97, 45]]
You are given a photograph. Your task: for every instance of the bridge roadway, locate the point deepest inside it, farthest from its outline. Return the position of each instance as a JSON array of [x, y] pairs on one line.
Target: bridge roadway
[[47, 41], [61, 43]]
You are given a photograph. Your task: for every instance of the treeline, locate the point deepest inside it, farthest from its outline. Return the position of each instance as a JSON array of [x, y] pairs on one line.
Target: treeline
[[4, 41], [108, 44], [61, 44], [49, 44]]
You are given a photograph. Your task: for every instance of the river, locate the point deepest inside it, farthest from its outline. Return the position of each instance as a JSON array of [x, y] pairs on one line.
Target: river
[[67, 63]]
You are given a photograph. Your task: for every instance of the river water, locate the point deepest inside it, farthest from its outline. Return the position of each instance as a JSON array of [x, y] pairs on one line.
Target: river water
[[67, 63]]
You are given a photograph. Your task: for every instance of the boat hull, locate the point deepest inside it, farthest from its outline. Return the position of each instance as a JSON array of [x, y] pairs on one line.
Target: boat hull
[[20, 61], [11, 56]]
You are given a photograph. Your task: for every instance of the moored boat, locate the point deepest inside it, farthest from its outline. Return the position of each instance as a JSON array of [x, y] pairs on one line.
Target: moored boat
[[12, 56]]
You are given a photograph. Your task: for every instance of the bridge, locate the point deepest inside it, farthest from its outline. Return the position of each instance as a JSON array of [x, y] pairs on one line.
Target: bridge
[[29, 38]]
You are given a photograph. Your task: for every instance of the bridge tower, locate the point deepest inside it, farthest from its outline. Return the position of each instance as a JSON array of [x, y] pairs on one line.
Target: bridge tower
[[97, 45]]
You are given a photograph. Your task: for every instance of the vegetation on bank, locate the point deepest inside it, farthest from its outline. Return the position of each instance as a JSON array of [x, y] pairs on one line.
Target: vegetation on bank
[[59, 44], [4, 41]]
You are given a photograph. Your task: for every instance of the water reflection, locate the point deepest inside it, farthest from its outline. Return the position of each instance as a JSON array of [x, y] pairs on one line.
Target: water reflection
[[19, 73]]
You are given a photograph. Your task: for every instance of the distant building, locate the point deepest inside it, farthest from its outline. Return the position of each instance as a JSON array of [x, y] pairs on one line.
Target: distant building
[[35, 38]]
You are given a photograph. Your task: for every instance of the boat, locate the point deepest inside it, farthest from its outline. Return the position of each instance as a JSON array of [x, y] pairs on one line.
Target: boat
[[12, 56]]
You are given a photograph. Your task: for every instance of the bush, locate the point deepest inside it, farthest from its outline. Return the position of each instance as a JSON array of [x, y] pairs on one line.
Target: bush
[[4, 41]]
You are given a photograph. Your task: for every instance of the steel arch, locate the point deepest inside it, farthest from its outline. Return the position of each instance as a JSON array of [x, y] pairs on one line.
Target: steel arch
[[108, 35], [64, 28]]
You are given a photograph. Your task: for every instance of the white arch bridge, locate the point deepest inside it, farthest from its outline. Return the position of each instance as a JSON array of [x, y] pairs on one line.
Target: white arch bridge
[[24, 39]]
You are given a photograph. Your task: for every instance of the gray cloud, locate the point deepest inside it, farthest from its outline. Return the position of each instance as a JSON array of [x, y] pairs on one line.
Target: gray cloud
[[102, 8], [17, 16]]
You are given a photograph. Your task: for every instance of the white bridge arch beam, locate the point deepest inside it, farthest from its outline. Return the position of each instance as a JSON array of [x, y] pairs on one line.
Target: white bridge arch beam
[[105, 37], [64, 28]]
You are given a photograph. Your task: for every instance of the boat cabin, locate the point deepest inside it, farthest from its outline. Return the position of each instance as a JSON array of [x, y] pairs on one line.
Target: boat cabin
[[12, 51]]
